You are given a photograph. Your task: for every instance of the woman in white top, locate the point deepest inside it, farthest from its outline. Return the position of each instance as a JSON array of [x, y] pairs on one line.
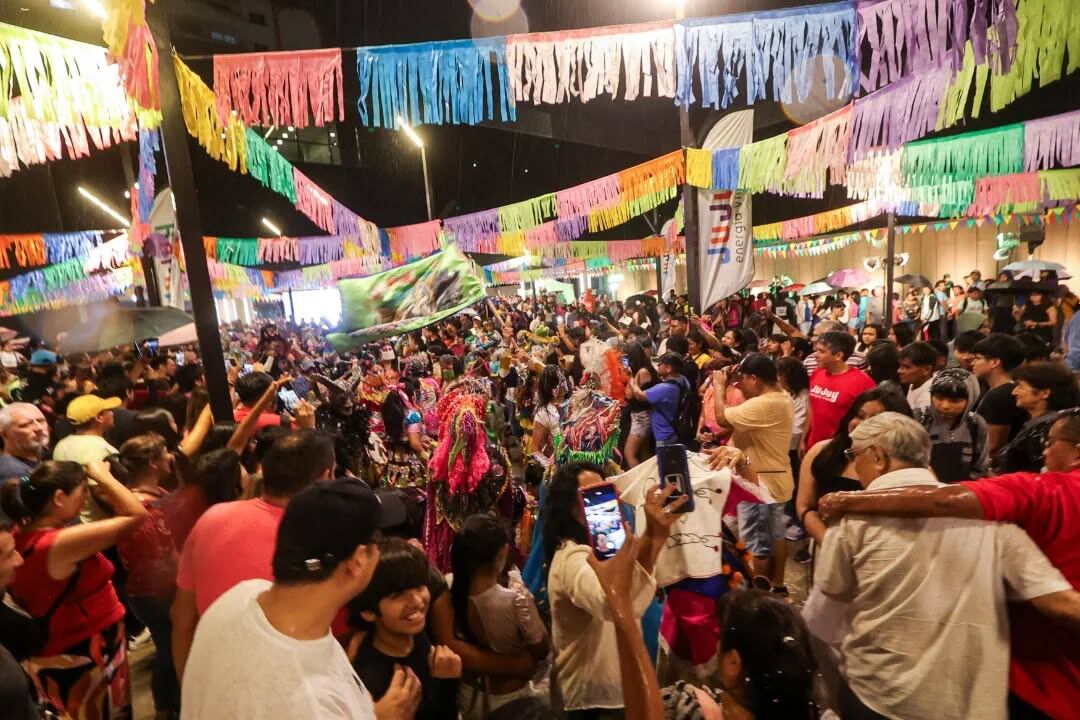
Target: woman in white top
[[583, 635], [491, 615], [550, 393]]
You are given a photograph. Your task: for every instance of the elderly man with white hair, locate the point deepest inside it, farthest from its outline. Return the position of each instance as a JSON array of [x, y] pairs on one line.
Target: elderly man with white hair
[[26, 439], [929, 634]]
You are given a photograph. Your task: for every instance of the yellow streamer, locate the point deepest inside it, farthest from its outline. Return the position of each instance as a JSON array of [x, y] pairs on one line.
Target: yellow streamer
[[699, 167], [227, 144]]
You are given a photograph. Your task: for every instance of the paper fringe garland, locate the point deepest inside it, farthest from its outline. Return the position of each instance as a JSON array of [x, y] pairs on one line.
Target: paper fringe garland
[[558, 67], [228, 142], [280, 88], [434, 83], [132, 46], [766, 48], [1052, 141], [909, 36], [59, 98], [269, 167], [1046, 28], [412, 242], [817, 154], [997, 151]]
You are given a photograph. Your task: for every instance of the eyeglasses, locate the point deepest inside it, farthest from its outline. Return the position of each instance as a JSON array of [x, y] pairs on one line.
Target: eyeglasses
[[852, 453]]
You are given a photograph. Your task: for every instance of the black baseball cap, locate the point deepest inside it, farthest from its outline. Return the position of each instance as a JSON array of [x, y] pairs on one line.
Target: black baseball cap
[[326, 522]]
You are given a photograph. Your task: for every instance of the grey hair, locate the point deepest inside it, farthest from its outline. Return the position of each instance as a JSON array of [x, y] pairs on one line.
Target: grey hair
[[7, 413], [901, 437], [829, 326]]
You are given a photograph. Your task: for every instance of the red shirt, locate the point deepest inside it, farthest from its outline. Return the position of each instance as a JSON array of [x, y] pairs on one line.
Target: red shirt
[[265, 420], [230, 543], [89, 607], [831, 396], [149, 555], [1044, 667]]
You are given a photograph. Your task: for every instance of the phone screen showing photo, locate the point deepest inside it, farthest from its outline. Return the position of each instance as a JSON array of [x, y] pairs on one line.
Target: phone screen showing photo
[[604, 519]]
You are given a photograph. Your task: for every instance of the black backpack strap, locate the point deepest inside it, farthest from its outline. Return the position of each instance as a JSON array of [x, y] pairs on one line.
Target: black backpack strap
[[68, 587], [678, 406]]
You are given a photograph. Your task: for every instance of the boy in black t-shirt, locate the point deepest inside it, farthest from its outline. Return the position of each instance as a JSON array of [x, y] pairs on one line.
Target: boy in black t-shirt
[[393, 610], [994, 359]]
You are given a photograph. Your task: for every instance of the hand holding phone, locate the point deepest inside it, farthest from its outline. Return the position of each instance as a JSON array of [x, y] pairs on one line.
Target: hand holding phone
[[675, 474], [603, 518]]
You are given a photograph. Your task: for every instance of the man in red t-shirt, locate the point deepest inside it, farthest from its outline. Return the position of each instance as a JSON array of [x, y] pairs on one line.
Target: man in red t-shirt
[[234, 541], [834, 385], [249, 389], [1044, 671]]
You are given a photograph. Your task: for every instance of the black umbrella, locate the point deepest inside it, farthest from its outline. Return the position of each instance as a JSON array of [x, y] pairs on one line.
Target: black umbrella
[[1016, 287], [113, 325], [919, 281]]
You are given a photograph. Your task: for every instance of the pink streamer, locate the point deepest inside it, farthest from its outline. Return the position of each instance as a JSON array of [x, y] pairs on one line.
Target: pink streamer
[[818, 148], [582, 199], [313, 202], [279, 250], [1004, 190], [417, 241], [797, 228], [281, 88], [622, 250], [541, 236]]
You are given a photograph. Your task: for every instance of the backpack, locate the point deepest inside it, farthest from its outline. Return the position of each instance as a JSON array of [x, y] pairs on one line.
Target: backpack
[[686, 419], [978, 435]]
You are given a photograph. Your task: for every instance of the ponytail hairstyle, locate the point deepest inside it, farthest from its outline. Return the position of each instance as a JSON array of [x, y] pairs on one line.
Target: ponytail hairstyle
[[25, 499], [476, 546], [773, 643], [140, 452]]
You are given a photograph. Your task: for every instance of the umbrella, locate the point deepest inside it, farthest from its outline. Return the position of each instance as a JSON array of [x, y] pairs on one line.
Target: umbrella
[[794, 287], [1016, 287], [180, 336], [115, 325], [818, 287], [1034, 268], [914, 281], [848, 277]]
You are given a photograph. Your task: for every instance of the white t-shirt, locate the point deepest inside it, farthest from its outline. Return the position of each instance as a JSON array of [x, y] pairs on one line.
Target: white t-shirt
[[929, 633], [241, 667], [9, 359]]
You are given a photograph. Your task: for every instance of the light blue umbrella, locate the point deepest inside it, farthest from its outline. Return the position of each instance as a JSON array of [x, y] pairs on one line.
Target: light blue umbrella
[[818, 287], [1033, 269]]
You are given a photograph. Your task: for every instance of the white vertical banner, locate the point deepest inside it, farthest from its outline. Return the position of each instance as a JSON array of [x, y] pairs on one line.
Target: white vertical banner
[[667, 264], [725, 236]]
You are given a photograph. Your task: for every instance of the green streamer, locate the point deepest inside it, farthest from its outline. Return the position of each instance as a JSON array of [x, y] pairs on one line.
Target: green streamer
[[1045, 28], [61, 274], [527, 214], [997, 151], [956, 196], [238, 251], [266, 164], [762, 164], [1060, 184]]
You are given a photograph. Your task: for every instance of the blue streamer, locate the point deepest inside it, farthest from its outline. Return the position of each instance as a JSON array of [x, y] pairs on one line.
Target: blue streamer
[[725, 169], [64, 246], [435, 83], [149, 144], [384, 243], [777, 47]]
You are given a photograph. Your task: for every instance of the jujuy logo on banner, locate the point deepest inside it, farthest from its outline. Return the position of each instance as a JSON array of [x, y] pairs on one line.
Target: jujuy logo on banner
[[724, 224]]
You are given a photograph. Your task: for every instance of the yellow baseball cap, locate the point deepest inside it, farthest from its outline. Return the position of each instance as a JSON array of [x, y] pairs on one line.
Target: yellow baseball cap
[[85, 408]]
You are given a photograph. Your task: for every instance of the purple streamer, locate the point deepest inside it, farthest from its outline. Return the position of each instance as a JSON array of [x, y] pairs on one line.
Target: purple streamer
[[902, 112], [571, 228], [1051, 141], [159, 245], [474, 232], [345, 220], [906, 37], [996, 47]]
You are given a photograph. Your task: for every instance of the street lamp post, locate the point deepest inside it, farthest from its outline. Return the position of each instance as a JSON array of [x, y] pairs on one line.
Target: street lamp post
[[423, 161]]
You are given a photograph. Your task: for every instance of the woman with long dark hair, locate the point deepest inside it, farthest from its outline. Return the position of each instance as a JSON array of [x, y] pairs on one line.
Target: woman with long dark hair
[[1038, 316], [502, 619], [583, 638], [407, 456], [66, 584], [551, 391], [637, 448], [825, 468]]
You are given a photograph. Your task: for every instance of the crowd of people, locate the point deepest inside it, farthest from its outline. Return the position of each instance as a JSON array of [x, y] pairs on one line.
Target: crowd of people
[[399, 532]]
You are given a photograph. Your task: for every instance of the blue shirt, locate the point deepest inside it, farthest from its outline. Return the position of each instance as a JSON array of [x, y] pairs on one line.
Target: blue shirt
[[664, 398], [11, 466], [1071, 341]]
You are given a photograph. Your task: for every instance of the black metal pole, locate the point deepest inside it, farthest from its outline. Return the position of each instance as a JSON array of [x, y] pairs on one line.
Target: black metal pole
[[660, 278], [188, 219], [890, 269]]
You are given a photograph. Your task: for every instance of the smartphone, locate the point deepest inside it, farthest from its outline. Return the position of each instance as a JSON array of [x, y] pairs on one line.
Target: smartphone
[[289, 398], [152, 346], [248, 367], [179, 358], [603, 518], [675, 470]]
